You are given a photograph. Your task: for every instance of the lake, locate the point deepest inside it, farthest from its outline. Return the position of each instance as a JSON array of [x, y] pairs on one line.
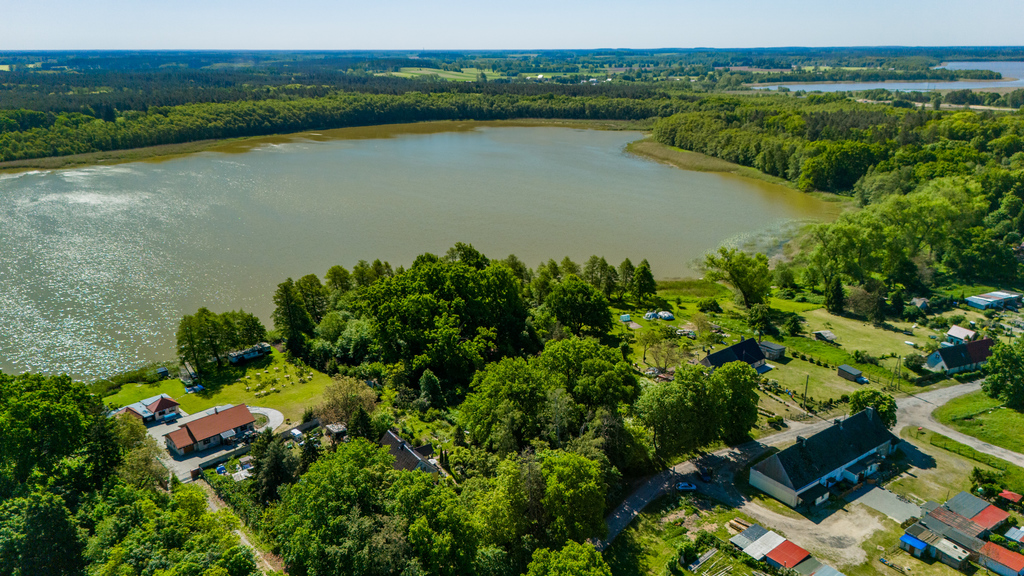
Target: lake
[[97, 265], [1014, 70]]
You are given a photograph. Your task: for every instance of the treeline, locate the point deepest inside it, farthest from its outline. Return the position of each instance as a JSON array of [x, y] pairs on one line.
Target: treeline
[[943, 190], [74, 133], [872, 75], [81, 493], [106, 94]]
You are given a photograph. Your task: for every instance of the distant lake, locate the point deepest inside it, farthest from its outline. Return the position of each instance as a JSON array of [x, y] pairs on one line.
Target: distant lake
[[97, 265], [1007, 69]]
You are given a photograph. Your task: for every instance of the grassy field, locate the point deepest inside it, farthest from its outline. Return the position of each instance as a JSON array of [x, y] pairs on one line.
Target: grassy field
[[984, 418], [466, 75], [940, 473], [229, 386]]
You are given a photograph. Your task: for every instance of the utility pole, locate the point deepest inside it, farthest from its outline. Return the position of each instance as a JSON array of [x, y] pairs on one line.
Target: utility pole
[[806, 382]]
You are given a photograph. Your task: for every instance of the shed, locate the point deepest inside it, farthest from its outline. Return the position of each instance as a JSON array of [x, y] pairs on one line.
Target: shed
[[163, 373], [625, 318], [748, 536], [337, 431], [849, 372], [919, 303], [786, 555], [1015, 534], [808, 567], [1011, 496], [913, 545], [295, 434], [950, 554], [1000, 560], [827, 570], [772, 351], [824, 335], [763, 545], [966, 504]]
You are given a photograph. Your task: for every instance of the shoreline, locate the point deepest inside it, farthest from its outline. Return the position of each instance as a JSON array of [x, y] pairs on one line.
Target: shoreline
[[243, 144]]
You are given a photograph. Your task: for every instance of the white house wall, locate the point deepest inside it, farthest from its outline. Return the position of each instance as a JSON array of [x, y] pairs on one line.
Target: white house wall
[[774, 489]]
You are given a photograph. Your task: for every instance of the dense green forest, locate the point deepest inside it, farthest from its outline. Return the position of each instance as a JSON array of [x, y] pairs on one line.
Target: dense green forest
[[940, 190]]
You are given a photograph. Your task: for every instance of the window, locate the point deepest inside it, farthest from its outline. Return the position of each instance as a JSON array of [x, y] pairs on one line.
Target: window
[[206, 441]]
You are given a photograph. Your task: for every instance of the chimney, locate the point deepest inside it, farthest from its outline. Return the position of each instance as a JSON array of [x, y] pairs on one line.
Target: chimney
[[800, 439], [871, 413]]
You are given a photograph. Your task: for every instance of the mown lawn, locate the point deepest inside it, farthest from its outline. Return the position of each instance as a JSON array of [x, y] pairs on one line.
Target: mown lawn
[[984, 418], [228, 386]]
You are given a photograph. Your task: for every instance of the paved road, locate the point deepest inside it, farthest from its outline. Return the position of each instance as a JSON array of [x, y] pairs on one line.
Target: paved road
[[911, 411]]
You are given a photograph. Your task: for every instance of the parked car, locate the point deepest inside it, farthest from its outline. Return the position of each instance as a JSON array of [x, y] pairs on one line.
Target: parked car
[[686, 487]]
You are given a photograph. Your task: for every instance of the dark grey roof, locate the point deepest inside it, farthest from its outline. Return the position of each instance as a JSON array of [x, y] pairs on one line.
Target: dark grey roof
[[966, 505], [749, 536], [966, 354], [952, 534], [849, 370], [406, 458], [824, 452], [772, 346], [807, 567], [746, 351]]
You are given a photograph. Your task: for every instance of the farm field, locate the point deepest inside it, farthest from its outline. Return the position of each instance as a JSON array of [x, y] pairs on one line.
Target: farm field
[[466, 75], [228, 386]]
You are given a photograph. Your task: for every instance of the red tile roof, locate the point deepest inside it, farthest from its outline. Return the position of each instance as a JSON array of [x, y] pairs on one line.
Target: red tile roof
[[1011, 560], [162, 404], [212, 425], [990, 517], [130, 412], [1011, 496], [788, 554]]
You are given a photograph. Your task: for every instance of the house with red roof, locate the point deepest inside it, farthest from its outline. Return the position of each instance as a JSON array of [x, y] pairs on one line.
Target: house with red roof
[[211, 430], [991, 518], [1000, 560], [151, 409]]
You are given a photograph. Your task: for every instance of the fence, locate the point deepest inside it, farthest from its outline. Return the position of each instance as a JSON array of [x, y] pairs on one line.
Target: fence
[[964, 450]]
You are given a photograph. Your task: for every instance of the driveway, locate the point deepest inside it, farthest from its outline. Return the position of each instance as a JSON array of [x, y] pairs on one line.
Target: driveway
[[886, 502], [275, 417]]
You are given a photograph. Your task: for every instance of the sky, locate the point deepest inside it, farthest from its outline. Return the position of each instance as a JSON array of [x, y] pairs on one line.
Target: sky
[[522, 24]]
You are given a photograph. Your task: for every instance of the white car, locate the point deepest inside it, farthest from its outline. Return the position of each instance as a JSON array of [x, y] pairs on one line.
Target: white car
[[686, 487]]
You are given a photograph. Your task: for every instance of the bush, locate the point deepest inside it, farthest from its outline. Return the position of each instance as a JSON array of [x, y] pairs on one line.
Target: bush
[[307, 415], [912, 314], [708, 305], [915, 362]]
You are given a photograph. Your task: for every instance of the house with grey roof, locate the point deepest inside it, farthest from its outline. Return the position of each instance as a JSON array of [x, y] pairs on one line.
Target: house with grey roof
[[850, 449], [407, 457]]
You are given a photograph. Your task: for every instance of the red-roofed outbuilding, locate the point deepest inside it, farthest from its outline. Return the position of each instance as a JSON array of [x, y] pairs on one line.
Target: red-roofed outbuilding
[[1000, 560], [990, 518], [786, 555], [1011, 496]]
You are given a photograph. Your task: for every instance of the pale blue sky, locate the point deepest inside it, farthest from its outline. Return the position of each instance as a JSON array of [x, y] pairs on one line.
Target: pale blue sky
[[537, 24]]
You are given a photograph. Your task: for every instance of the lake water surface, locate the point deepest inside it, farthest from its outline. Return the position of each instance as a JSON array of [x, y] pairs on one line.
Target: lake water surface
[[1013, 74], [97, 265]]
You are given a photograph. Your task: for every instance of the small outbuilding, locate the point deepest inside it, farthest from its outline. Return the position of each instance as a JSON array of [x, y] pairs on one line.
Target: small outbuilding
[[786, 555], [913, 545], [850, 373], [920, 303], [163, 373], [624, 318], [1000, 560], [824, 336], [772, 351]]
